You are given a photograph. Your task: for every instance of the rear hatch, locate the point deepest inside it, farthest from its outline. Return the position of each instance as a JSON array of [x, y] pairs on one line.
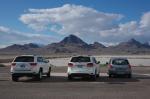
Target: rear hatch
[[23, 63], [80, 63], [120, 64]]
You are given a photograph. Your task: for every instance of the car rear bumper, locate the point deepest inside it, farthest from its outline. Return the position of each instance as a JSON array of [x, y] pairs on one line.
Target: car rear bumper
[[80, 74], [119, 72], [24, 74]]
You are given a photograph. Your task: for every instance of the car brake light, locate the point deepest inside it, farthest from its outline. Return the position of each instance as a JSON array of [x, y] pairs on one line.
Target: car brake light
[[13, 64], [109, 66], [129, 66], [70, 65], [90, 65], [33, 64]]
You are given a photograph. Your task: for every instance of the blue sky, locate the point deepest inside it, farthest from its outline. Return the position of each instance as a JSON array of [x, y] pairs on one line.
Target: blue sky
[[121, 14]]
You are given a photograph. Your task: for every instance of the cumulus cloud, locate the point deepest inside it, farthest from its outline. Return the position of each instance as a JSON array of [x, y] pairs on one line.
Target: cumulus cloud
[[145, 20], [71, 19], [9, 36], [88, 23]]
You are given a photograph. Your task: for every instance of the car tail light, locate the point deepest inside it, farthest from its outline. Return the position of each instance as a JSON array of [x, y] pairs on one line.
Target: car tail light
[[33, 64], [70, 64], [109, 66], [129, 66], [90, 65], [13, 64]]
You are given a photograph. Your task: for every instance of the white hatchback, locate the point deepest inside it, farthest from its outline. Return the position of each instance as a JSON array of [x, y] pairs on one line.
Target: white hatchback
[[30, 65], [83, 66]]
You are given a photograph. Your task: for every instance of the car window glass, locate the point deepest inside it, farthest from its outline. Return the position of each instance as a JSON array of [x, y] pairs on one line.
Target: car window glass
[[44, 60], [80, 59], [120, 62], [24, 59], [94, 60], [40, 59]]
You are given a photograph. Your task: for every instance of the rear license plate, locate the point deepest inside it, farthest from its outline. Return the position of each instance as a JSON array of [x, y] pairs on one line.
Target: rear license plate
[[79, 66], [22, 65], [120, 72]]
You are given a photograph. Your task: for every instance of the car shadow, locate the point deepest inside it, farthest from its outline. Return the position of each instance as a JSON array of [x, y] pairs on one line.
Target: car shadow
[[105, 79]]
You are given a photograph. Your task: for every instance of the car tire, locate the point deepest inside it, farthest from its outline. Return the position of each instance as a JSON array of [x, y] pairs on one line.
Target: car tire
[[14, 78], [97, 75], [110, 75], [129, 75], [49, 72], [93, 77], [70, 77], [39, 75]]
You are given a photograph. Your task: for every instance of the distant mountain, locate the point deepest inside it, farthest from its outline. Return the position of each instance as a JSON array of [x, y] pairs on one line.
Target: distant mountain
[[132, 43], [74, 45], [72, 39], [97, 45], [22, 47], [70, 44], [132, 46]]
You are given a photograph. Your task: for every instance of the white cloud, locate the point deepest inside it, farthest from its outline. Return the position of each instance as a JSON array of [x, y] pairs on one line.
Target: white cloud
[[72, 19], [4, 29], [145, 20], [88, 23], [9, 36]]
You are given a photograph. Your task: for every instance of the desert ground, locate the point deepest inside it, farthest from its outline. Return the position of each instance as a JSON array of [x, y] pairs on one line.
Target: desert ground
[[135, 60], [58, 87]]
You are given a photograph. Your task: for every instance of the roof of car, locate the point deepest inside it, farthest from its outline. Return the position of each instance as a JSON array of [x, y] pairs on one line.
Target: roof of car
[[83, 56], [27, 55], [113, 58]]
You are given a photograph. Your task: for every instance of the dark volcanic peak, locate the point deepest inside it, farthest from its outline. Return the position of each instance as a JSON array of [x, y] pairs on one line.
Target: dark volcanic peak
[[133, 41], [25, 46], [133, 44], [97, 45], [31, 45], [14, 46], [72, 39]]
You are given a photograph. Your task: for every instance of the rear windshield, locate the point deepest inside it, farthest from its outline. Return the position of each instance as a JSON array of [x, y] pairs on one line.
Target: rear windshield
[[120, 62], [24, 59], [80, 59]]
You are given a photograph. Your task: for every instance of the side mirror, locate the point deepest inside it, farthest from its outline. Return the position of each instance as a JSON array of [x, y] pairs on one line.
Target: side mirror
[[106, 63], [98, 62]]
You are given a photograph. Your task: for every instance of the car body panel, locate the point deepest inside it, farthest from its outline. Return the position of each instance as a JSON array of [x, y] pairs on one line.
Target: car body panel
[[119, 69], [82, 68]]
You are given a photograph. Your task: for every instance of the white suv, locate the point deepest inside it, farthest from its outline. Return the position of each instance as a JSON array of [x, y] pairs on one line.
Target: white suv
[[31, 66], [83, 66]]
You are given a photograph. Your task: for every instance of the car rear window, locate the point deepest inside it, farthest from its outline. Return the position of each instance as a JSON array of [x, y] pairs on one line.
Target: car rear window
[[80, 59], [120, 62], [24, 59]]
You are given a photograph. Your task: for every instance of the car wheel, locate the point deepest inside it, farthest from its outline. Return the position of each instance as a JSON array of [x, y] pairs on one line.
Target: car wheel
[[39, 75], [49, 72], [69, 77], [110, 76], [97, 76], [129, 75], [93, 77], [14, 78]]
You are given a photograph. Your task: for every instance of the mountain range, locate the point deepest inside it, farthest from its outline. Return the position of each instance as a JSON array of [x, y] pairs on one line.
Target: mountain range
[[74, 45]]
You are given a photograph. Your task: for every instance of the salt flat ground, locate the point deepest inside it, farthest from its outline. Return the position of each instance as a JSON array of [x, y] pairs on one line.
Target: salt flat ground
[[142, 60], [135, 60], [58, 87]]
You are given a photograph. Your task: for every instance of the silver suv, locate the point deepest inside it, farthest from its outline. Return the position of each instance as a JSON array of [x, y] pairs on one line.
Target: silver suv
[[31, 66], [119, 66]]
